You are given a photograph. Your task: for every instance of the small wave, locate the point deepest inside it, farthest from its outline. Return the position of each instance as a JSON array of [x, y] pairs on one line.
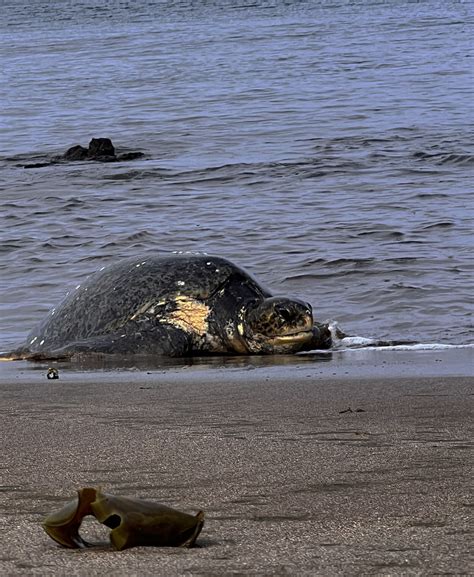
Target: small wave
[[350, 267], [441, 224], [403, 347], [306, 168], [431, 195], [358, 262], [133, 239], [12, 245], [74, 202], [140, 235], [131, 175], [445, 157], [382, 235]]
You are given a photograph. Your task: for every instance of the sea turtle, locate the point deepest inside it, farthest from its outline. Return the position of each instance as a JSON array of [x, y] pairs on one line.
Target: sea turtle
[[174, 305]]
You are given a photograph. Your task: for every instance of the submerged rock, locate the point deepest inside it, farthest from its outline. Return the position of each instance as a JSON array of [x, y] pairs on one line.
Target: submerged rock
[[77, 152], [100, 148]]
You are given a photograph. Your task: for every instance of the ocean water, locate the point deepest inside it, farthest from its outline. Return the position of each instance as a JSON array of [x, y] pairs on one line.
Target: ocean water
[[325, 146]]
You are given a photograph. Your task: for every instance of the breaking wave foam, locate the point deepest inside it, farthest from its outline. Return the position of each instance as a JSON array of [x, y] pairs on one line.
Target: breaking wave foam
[[343, 343]]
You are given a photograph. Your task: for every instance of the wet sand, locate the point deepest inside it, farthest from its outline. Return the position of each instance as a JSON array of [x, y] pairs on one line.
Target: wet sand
[[292, 482]]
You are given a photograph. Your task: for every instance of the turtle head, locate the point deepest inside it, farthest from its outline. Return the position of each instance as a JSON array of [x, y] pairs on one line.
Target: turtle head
[[278, 325]]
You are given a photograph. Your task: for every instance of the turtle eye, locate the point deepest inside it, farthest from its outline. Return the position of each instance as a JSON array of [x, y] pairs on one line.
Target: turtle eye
[[284, 314], [252, 305]]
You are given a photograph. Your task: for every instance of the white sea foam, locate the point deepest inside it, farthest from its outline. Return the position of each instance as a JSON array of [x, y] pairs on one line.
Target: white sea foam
[[409, 347], [350, 343], [366, 344]]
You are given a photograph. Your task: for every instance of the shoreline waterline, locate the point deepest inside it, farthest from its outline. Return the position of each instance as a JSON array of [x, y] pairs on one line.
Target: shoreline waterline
[[346, 364]]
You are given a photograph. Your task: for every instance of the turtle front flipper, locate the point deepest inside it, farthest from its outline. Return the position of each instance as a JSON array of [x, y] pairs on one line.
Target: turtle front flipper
[[158, 341]]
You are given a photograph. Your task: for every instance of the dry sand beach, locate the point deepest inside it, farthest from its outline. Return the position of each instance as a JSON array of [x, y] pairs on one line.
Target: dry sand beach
[[292, 483]]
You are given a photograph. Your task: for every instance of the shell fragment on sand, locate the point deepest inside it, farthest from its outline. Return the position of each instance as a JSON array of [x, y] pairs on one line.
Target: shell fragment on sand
[[134, 522]]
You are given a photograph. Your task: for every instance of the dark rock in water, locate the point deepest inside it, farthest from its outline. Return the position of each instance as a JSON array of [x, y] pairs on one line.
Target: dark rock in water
[[100, 148], [77, 152]]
